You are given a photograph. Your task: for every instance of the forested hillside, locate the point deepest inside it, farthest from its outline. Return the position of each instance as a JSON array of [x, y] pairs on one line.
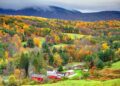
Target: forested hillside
[[35, 45]]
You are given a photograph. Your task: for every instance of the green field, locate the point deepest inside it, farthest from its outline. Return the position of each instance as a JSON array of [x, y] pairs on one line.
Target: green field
[[115, 82], [116, 65], [74, 36], [59, 45]]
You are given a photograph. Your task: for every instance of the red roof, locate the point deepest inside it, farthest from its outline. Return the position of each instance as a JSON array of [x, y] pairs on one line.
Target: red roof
[[38, 79], [54, 77]]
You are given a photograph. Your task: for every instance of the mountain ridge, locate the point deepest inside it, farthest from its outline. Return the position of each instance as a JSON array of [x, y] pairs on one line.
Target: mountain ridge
[[62, 13]]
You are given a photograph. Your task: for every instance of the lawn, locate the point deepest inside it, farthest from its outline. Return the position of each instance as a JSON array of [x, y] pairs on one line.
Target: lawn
[[114, 82], [78, 74], [77, 36], [116, 65]]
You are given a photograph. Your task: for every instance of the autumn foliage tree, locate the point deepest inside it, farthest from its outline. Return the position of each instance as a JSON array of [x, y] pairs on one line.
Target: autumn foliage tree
[[36, 41], [57, 59], [105, 46]]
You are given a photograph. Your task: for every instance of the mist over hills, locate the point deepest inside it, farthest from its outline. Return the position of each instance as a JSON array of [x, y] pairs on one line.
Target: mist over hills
[[62, 13]]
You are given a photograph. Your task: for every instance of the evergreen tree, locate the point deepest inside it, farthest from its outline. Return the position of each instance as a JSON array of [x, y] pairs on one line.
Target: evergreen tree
[[24, 62], [30, 43]]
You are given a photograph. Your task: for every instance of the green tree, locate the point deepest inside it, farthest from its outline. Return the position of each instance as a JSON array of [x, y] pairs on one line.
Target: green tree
[[60, 68], [100, 64], [2, 50], [65, 57], [54, 50], [106, 55], [30, 43], [116, 44], [24, 62], [90, 60], [45, 48], [38, 62], [51, 60]]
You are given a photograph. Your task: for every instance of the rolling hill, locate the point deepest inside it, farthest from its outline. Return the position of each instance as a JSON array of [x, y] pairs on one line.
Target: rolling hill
[[62, 13]]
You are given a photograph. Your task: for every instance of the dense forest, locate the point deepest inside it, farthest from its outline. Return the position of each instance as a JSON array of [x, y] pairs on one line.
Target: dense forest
[[35, 45]]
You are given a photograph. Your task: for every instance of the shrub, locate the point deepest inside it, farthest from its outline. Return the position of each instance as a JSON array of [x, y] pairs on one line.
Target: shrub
[[108, 63], [100, 64], [12, 81], [32, 82], [25, 81], [97, 74], [43, 71], [60, 69], [86, 74]]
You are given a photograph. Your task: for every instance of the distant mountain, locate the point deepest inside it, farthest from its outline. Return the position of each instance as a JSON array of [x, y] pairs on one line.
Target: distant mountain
[[62, 13]]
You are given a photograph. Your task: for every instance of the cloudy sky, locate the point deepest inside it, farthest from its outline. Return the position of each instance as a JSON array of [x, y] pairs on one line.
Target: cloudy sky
[[81, 5]]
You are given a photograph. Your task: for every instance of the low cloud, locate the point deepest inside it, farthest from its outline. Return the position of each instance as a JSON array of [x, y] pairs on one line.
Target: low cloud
[[81, 5]]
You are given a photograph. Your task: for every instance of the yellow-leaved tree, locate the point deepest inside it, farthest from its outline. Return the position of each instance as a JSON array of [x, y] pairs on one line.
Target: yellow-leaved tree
[[36, 41], [105, 46], [6, 54], [57, 59]]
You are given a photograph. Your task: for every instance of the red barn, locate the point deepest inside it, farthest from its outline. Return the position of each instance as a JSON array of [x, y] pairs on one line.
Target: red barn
[[37, 77]]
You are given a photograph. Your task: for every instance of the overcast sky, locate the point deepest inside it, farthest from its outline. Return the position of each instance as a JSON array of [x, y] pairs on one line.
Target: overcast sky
[[81, 5]]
